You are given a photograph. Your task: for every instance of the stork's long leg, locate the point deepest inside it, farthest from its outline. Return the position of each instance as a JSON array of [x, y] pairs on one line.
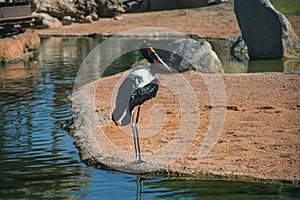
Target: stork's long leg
[[134, 132], [136, 135], [138, 155]]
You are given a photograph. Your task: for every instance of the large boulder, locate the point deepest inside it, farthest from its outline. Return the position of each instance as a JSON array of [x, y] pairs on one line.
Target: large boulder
[[188, 54], [267, 33]]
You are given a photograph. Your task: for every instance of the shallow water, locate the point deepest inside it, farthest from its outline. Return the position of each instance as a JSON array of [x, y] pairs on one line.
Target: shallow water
[[38, 159]]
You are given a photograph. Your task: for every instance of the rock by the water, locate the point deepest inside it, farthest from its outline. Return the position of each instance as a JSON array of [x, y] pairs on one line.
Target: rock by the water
[[48, 21], [29, 41], [188, 54], [10, 49], [267, 33], [17, 47]]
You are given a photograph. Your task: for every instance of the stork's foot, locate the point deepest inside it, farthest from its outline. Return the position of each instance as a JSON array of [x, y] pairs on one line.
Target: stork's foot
[[139, 161]]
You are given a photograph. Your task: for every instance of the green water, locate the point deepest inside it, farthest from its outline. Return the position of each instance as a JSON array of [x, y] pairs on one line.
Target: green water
[[233, 65]]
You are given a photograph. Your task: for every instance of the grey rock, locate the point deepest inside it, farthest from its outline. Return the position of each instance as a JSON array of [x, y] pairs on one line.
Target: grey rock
[[67, 20], [267, 32], [48, 21], [188, 54]]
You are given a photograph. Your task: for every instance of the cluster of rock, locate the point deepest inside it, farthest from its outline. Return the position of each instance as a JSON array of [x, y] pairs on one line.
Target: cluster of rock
[[56, 13], [15, 48]]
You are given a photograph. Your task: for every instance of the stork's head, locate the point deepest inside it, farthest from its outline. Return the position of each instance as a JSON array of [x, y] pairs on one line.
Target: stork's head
[[148, 52]]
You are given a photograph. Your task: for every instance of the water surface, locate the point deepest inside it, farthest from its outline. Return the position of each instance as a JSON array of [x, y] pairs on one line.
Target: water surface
[[38, 159]]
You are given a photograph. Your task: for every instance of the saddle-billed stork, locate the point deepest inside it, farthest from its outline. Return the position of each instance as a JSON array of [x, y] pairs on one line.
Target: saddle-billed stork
[[139, 86]]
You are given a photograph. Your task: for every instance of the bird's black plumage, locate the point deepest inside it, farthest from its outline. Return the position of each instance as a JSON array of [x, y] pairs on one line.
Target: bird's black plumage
[[140, 95]]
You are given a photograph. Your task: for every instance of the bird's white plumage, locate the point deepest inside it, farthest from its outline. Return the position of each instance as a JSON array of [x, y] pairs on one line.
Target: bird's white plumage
[[138, 78], [141, 76]]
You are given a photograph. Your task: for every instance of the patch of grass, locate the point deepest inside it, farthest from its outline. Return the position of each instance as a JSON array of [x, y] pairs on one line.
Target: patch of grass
[[290, 7]]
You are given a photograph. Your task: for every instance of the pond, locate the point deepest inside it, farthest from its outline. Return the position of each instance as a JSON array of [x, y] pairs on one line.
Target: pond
[[38, 159]]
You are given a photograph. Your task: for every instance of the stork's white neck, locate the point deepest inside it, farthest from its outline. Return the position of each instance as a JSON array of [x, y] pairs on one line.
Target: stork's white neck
[[141, 76]]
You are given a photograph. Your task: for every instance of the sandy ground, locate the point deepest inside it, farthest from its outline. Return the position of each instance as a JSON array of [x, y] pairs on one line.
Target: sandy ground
[[260, 135], [216, 21], [258, 139]]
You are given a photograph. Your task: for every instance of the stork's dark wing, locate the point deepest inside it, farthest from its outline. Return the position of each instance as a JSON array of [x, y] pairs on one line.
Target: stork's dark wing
[[140, 95]]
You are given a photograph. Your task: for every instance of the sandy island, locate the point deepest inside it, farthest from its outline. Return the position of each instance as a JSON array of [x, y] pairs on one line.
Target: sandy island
[[261, 132], [259, 139]]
